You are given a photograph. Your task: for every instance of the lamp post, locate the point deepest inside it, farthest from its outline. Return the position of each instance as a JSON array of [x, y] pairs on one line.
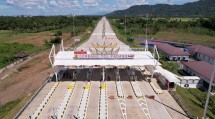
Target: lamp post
[[146, 24], [209, 91], [73, 27]]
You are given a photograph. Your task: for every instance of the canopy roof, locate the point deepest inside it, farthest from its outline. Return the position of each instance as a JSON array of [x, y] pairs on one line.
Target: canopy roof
[[140, 58]]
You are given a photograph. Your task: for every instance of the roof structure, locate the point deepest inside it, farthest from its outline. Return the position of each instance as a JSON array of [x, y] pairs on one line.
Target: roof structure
[[123, 58], [171, 50], [210, 52], [201, 67]]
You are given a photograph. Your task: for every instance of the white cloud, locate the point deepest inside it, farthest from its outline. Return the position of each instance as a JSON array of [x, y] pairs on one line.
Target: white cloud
[[91, 3], [29, 4], [53, 3], [64, 3], [139, 2]]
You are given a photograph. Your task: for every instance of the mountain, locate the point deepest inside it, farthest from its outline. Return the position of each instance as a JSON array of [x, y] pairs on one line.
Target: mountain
[[100, 13], [201, 8]]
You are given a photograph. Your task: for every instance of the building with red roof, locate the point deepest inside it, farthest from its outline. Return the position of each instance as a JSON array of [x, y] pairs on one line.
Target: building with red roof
[[201, 69], [202, 53], [173, 53], [170, 52]]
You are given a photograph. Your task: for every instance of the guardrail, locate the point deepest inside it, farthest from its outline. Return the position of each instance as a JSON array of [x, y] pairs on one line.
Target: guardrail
[[63, 105], [32, 98], [157, 90], [44, 102]]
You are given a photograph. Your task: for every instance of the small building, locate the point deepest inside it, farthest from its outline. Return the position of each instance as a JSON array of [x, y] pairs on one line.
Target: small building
[[173, 53], [201, 69], [202, 53], [190, 81]]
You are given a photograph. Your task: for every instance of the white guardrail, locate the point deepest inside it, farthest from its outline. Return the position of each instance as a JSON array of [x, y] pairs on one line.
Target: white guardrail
[[119, 89], [103, 113], [63, 105], [157, 90], [44, 102], [84, 102]]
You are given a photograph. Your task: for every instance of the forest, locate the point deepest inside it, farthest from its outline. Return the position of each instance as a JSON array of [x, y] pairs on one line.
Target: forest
[[201, 8], [188, 30]]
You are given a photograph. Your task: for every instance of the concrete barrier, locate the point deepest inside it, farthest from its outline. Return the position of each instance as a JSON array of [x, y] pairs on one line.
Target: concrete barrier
[[44, 102], [32, 98]]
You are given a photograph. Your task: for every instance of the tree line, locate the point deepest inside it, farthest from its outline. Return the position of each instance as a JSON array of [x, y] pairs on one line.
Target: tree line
[[42, 23], [137, 25]]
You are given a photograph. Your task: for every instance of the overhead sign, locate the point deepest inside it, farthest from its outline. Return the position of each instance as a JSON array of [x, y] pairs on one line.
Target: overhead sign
[[100, 56]]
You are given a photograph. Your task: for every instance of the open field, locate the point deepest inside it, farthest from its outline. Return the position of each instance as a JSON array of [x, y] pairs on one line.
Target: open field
[[193, 104], [185, 37]]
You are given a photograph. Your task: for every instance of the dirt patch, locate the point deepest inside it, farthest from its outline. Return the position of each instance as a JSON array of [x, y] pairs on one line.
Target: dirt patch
[[29, 79], [38, 39]]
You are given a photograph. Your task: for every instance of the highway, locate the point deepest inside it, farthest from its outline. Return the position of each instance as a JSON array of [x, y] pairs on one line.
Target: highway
[[93, 105], [113, 104], [72, 108], [156, 109], [133, 109], [36, 102], [51, 107], [110, 37]]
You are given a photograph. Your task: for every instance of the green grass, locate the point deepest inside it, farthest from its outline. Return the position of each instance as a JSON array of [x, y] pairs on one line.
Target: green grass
[[5, 109], [192, 103], [7, 35], [8, 51]]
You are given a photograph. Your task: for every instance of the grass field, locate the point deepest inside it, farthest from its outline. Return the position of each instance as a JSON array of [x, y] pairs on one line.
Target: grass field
[[7, 35], [8, 51], [186, 37], [193, 104]]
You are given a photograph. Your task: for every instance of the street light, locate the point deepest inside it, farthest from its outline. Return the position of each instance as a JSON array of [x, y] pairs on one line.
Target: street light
[[209, 91], [73, 27]]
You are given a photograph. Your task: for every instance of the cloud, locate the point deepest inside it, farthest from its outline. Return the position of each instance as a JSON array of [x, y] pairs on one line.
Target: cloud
[[64, 3], [139, 2], [29, 4], [91, 3]]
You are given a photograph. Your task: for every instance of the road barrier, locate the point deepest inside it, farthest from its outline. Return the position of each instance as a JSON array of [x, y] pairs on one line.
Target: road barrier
[[84, 102], [157, 91], [63, 105], [32, 98], [44, 102], [103, 103]]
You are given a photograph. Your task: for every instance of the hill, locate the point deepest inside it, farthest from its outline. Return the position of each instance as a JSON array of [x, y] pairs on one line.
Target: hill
[[201, 8]]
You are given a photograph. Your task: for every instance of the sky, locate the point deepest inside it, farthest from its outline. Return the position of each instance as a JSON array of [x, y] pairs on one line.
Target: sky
[[77, 7]]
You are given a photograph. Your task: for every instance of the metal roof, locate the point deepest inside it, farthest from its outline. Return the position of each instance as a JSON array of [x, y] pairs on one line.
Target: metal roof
[[201, 67], [171, 50], [210, 52]]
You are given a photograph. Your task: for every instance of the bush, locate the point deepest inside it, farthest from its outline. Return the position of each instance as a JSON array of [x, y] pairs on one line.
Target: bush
[[57, 39], [58, 33]]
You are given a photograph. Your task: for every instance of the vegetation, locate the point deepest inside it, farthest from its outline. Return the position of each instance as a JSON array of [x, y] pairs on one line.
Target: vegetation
[[196, 31], [42, 23], [13, 28], [201, 8], [8, 51], [5, 109], [171, 66], [194, 105]]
